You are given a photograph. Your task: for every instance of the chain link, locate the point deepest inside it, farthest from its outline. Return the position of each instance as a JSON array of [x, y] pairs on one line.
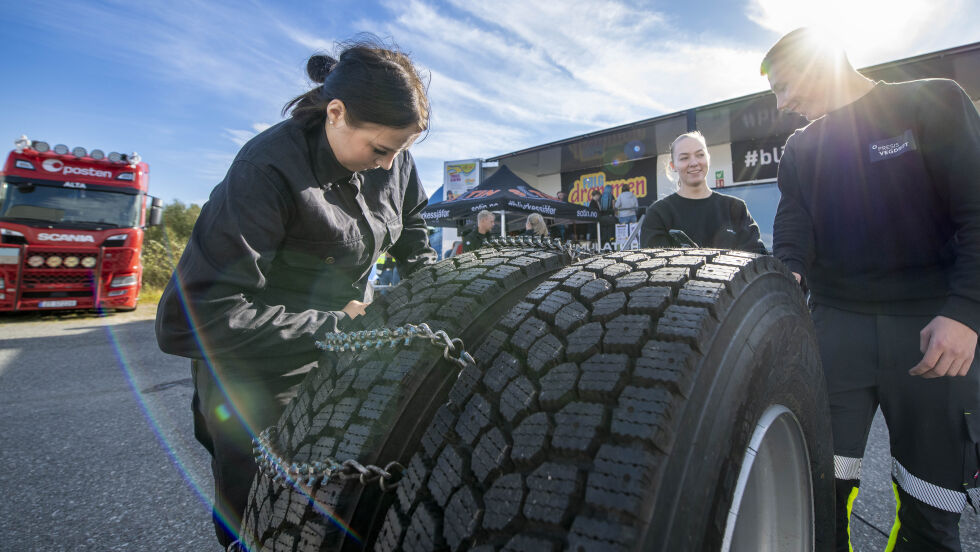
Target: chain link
[[279, 469]]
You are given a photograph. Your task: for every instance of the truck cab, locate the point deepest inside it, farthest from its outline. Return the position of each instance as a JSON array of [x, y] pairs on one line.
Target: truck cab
[[71, 228]]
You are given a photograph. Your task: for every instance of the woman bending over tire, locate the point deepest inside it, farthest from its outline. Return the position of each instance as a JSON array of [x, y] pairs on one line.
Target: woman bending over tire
[[283, 248]]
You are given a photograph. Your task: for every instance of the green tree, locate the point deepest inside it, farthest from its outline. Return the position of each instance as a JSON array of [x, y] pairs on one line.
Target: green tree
[[163, 245]]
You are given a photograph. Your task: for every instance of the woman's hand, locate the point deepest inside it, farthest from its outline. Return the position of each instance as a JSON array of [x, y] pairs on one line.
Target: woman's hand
[[355, 308]]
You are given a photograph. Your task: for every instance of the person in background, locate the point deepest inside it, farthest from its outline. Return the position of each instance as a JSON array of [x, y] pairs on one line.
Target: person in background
[[561, 228], [625, 206], [879, 215], [475, 238], [535, 225], [594, 197], [709, 218], [281, 252], [388, 275]]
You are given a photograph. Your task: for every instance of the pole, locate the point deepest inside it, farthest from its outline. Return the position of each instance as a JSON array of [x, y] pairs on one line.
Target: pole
[[503, 224]]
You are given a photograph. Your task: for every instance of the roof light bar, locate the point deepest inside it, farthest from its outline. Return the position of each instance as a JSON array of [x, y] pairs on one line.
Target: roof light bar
[[97, 154], [79, 151], [61, 149], [40, 146]]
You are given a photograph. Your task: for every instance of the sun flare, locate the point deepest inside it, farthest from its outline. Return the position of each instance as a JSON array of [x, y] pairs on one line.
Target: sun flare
[[865, 29]]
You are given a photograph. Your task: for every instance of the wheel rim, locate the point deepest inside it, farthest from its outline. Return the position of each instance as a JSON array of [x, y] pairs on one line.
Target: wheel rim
[[772, 508]]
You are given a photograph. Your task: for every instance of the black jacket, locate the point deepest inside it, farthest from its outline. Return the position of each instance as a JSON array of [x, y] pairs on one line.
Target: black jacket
[[880, 205], [474, 240], [285, 241], [719, 220]]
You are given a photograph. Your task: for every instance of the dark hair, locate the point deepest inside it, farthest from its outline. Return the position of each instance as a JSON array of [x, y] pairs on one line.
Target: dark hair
[[803, 48], [377, 84]]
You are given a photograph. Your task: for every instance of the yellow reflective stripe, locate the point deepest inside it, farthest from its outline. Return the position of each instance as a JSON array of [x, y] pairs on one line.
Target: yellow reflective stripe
[[850, 507], [893, 537]]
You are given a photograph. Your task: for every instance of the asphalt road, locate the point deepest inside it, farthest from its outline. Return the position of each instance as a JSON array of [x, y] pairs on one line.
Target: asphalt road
[[98, 451]]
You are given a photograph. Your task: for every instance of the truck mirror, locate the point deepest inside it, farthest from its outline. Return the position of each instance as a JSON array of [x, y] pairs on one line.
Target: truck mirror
[[156, 212]]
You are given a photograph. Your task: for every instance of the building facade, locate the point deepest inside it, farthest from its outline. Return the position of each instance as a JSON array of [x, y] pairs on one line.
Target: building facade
[[745, 137]]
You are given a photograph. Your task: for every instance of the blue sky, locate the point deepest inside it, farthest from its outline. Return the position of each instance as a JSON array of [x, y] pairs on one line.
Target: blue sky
[[185, 82]]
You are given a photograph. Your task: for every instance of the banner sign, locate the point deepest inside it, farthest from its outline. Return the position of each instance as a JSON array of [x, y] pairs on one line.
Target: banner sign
[[754, 160], [459, 177], [639, 176]]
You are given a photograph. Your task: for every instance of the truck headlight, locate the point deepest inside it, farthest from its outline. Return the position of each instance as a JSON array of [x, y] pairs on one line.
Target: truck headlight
[[88, 262], [123, 281]]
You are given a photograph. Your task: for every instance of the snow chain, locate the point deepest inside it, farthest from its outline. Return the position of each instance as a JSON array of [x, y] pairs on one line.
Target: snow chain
[[275, 466], [281, 470], [374, 339], [573, 249]]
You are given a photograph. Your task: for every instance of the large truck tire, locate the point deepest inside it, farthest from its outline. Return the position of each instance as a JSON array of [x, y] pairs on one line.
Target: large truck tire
[[656, 400], [373, 405]]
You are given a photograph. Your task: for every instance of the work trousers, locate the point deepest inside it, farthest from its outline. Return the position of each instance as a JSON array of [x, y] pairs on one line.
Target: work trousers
[[933, 424], [228, 413]]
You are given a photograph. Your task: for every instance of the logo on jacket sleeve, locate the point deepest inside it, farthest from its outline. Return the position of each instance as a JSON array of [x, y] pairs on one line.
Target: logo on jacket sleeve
[[892, 147]]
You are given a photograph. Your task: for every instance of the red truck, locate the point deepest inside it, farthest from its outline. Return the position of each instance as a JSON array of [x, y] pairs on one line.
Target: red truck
[[71, 228]]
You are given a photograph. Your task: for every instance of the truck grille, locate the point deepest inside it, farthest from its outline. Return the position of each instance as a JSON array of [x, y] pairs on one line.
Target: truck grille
[[58, 279]]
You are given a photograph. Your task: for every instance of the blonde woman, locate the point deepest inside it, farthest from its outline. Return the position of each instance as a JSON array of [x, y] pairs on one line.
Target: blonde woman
[[535, 226], [707, 217]]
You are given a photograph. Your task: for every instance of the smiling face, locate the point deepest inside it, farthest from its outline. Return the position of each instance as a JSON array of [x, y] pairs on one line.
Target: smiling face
[[366, 146], [690, 161]]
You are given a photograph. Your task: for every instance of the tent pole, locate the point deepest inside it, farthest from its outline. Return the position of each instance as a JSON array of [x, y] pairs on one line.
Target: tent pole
[[598, 237], [503, 224]]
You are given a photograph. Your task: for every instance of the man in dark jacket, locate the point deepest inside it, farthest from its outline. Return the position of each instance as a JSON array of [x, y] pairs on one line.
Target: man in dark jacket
[[880, 216], [474, 239]]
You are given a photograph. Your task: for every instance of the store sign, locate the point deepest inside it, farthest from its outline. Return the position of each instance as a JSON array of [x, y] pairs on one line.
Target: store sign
[[639, 176], [754, 160]]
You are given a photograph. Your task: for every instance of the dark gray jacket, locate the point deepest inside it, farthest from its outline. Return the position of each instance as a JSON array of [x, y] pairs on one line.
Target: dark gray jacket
[[285, 241]]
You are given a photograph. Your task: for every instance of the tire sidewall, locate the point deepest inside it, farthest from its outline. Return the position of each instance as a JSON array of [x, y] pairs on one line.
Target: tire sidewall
[[764, 353]]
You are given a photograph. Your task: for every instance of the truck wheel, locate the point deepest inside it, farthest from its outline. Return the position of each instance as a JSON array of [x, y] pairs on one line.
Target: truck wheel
[[373, 406], [651, 400]]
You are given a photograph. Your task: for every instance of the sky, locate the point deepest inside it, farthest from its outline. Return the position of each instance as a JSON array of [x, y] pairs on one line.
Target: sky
[[187, 82]]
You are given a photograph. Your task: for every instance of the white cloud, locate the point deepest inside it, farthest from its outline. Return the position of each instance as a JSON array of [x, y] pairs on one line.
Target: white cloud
[[505, 74], [504, 77], [872, 32]]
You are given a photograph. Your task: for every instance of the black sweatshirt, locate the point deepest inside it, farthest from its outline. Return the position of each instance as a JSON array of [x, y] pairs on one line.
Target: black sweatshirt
[[880, 206], [285, 241], [719, 221]]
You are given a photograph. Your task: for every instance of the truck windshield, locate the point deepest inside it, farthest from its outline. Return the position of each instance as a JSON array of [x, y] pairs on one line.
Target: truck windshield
[[45, 203]]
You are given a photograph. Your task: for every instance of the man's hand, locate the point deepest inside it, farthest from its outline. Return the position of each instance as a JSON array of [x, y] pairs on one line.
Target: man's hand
[[798, 277], [948, 347], [356, 308]]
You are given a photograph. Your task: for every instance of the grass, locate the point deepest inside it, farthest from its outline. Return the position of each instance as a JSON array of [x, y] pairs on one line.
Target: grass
[[150, 296]]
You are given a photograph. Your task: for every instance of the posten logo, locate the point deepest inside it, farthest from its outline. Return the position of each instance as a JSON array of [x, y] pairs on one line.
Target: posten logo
[[52, 165]]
